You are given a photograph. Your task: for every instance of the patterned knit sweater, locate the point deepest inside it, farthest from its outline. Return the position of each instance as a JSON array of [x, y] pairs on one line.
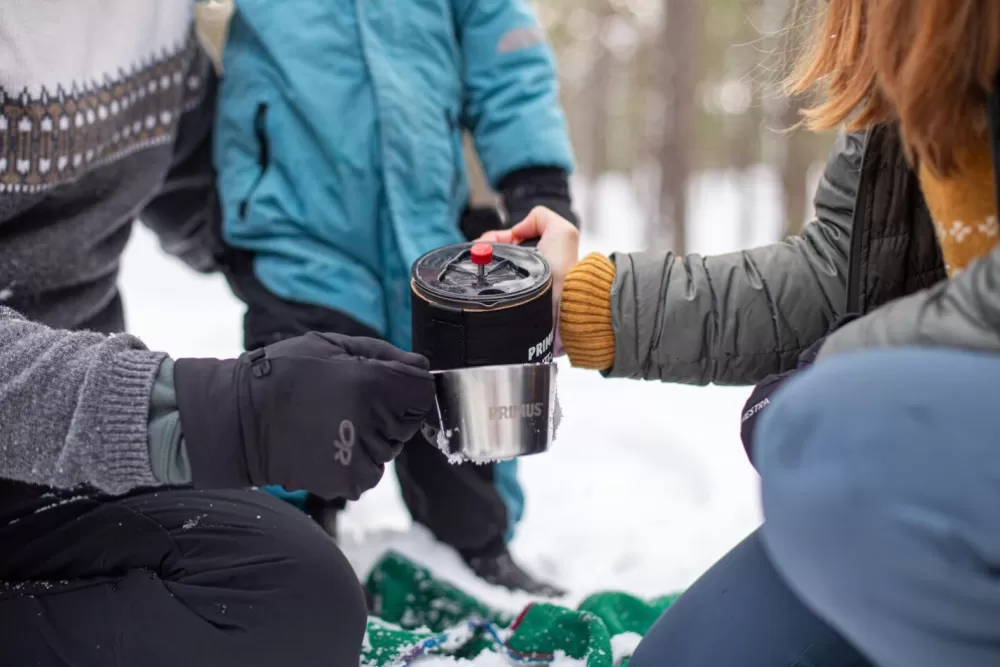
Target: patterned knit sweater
[[93, 94], [963, 208], [105, 116]]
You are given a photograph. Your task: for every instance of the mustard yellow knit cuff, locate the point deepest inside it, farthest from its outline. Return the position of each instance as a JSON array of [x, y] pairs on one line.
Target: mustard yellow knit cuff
[[585, 313]]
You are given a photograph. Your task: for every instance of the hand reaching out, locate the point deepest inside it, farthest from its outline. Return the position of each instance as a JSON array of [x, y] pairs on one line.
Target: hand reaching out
[[558, 241]]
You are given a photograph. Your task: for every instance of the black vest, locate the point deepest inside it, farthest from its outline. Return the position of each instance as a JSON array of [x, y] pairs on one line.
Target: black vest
[[894, 247]]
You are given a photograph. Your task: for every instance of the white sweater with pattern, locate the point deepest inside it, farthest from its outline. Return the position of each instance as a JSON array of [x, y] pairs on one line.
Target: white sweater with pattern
[[105, 116]]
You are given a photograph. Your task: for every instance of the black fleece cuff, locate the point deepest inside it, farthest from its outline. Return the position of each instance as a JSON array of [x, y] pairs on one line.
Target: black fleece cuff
[[527, 188]]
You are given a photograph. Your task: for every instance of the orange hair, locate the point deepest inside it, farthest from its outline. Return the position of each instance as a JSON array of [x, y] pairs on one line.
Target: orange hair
[[924, 64]]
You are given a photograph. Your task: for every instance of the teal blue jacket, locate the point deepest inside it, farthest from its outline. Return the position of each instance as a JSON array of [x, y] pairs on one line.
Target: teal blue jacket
[[338, 138]]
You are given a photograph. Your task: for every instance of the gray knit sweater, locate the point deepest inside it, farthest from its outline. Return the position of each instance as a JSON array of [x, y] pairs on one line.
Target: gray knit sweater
[[87, 146], [74, 407]]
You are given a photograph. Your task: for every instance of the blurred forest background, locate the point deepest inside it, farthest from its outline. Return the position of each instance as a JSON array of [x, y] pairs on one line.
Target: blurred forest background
[[659, 91]]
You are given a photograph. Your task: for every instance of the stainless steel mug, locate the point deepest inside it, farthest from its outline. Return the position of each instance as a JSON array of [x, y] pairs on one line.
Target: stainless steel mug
[[493, 413], [482, 315]]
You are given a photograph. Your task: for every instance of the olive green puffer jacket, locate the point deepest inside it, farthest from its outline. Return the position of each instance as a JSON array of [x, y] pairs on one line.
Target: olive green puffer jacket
[[737, 318]]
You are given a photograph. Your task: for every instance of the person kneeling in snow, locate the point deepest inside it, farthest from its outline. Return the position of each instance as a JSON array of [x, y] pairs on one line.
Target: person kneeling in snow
[[128, 534]]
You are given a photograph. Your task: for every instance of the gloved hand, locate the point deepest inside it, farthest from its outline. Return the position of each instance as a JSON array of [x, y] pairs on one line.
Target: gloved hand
[[321, 412], [760, 397]]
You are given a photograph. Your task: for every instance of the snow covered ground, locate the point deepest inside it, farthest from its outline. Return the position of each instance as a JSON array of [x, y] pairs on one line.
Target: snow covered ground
[[646, 486]]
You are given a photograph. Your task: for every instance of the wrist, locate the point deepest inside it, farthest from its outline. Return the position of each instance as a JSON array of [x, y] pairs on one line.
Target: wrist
[[208, 405], [167, 453], [585, 325]]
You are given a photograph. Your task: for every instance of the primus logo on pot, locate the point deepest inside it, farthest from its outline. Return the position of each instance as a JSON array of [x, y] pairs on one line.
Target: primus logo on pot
[[538, 351], [522, 411]]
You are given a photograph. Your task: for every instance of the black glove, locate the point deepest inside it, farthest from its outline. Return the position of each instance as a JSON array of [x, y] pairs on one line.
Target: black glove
[[760, 397], [321, 412], [525, 189]]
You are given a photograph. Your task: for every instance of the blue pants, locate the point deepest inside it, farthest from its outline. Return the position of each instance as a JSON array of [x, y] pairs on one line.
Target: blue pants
[[881, 490], [741, 614]]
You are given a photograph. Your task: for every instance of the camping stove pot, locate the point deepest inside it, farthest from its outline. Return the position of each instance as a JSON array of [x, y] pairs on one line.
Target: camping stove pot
[[482, 315], [482, 304]]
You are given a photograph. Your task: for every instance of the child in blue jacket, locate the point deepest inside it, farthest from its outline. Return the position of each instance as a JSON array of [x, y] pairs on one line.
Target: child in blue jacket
[[338, 146]]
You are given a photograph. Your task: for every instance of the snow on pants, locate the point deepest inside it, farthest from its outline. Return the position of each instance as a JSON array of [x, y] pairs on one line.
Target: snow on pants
[[177, 578], [881, 492], [741, 614]]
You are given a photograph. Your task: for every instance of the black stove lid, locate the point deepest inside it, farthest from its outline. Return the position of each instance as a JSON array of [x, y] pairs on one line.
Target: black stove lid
[[481, 274]]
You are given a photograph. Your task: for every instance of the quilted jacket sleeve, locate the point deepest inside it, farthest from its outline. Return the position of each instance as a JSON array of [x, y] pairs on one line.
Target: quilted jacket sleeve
[[737, 318]]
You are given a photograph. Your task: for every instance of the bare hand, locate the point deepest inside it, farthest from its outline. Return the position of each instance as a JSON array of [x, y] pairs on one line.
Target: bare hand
[[559, 243]]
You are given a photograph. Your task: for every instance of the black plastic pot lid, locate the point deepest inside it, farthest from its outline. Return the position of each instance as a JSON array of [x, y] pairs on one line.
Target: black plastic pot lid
[[483, 274]]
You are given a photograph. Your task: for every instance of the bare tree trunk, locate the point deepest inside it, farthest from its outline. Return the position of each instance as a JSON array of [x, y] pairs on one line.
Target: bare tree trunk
[[745, 128], [597, 120], [681, 35], [480, 193], [745, 151], [795, 165], [794, 151]]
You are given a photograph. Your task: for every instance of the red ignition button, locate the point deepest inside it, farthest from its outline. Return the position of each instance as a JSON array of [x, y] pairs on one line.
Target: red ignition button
[[481, 254]]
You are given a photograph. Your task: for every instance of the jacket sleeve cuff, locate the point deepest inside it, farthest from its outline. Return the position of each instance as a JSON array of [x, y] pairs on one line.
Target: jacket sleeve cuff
[[167, 451], [527, 188], [585, 313]]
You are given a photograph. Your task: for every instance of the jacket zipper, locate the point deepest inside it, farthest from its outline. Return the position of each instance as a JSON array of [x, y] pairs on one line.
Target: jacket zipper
[[993, 124], [263, 154], [854, 261]]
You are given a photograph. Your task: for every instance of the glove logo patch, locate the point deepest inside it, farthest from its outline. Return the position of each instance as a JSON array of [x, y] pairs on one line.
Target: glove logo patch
[[345, 443]]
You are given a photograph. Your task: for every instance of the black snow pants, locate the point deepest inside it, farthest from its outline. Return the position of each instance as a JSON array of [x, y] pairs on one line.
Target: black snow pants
[[176, 578], [170, 578]]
